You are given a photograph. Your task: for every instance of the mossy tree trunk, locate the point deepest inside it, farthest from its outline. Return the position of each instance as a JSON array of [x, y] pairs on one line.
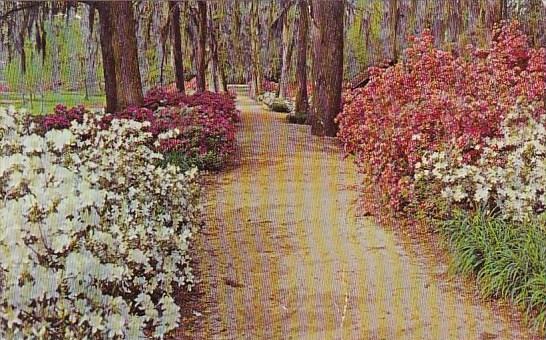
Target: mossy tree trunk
[[120, 55], [328, 35], [302, 105], [287, 48], [213, 29], [256, 67], [176, 39], [201, 46]]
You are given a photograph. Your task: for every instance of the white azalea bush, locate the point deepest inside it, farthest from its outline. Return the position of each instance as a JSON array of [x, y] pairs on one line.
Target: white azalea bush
[[509, 177], [94, 233]]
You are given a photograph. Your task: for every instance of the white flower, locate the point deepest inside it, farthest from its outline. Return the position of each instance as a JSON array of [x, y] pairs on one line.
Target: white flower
[[95, 321], [60, 138], [482, 194], [33, 143], [115, 325], [106, 210], [459, 194]]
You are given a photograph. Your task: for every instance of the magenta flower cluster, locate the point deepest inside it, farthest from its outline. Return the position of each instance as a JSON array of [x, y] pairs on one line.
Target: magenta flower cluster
[[205, 121]]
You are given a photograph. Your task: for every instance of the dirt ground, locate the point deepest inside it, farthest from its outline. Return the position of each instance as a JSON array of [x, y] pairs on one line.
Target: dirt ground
[[284, 254]]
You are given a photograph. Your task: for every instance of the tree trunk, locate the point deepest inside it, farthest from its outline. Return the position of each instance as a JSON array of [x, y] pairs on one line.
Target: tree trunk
[[142, 44], [256, 76], [302, 105], [201, 46], [393, 10], [156, 28], [108, 63], [223, 78], [327, 65], [177, 46], [213, 30], [56, 58], [90, 65], [120, 55], [286, 57]]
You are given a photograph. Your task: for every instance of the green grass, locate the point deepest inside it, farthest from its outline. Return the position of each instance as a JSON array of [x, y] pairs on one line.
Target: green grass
[[508, 259], [46, 104]]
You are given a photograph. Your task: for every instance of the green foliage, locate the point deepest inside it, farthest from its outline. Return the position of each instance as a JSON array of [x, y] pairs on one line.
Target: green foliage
[[297, 118], [280, 105], [507, 258], [210, 160], [63, 39], [371, 11]]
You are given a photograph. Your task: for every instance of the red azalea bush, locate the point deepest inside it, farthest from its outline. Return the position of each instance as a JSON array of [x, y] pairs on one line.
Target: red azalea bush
[[216, 103], [270, 86], [191, 85], [434, 99], [62, 117], [205, 139]]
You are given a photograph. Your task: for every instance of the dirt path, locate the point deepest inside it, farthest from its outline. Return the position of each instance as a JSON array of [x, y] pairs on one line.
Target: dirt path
[[284, 256]]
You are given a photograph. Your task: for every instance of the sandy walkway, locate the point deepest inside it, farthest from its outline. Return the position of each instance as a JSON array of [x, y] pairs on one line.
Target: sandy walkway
[[283, 255]]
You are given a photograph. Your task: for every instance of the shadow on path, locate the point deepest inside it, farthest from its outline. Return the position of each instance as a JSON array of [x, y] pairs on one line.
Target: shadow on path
[[284, 255]]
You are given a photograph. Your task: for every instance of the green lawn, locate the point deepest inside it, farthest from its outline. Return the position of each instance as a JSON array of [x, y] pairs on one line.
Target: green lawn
[[46, 104]]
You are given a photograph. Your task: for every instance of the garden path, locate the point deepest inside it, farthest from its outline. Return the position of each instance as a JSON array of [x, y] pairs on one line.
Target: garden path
[[284, 254]]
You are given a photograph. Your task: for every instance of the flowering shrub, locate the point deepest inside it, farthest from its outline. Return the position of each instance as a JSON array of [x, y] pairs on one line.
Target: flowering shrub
[[198, 137], [93, 235], [204, 124], [210, 102], [510, 175], [63, 117], [270, 86], [191, 84], [434, 99]]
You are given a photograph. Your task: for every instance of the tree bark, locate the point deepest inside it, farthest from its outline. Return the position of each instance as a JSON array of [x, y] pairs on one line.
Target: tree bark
[[256, 76], [108, 64], [286, 57], [213, 30], [90, 65], [201, 46], [302, 104], [327, 65], [223, 78], [120, 55], [176, 38]]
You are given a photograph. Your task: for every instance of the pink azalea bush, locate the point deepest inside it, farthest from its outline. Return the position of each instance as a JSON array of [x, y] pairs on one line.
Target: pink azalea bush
[[434, 99], [197, 130], [214, 103], [63, 117]]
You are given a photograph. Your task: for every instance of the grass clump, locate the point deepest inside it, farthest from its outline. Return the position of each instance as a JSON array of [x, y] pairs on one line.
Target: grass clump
[[508, 259]]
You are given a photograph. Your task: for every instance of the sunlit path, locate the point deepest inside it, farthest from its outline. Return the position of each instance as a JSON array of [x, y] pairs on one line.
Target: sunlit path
[[285, 257]]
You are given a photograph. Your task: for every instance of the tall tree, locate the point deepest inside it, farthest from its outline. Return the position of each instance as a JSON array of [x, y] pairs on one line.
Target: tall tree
[[213, 42], [108, 63], [120, 55], [176, 39], [287, 47], [327, 71], [302, 104], [256, 67], [201, 46]]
